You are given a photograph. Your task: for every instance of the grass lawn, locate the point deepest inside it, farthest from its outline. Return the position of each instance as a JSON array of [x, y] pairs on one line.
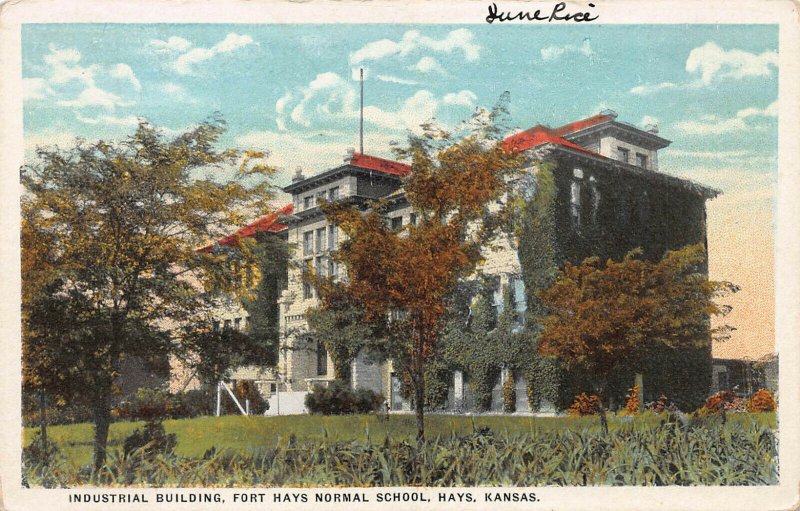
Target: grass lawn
[[242, 434]]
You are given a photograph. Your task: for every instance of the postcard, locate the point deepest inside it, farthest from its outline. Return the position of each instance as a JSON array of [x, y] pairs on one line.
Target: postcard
[[400, 255]]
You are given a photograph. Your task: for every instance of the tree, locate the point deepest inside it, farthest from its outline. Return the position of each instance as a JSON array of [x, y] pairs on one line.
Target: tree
[[402, 279], [122, 221], [603, 316]]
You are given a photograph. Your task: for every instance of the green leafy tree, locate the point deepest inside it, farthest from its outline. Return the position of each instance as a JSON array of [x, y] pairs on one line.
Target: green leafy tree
[[123, 221], [604, 316]]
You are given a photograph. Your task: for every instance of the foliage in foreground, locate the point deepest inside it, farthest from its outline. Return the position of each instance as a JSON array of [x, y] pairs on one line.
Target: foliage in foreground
[[705, 452]]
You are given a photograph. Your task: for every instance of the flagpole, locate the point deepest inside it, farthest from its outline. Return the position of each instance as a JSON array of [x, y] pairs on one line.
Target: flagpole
[[361, 123]]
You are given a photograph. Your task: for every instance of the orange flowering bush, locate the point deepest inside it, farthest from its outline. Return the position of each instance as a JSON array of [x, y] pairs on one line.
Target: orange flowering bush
[[762, 401], [632, 404], [585, 404]]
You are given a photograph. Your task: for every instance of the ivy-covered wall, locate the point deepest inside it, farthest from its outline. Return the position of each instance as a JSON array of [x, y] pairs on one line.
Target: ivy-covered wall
[[604, 212]]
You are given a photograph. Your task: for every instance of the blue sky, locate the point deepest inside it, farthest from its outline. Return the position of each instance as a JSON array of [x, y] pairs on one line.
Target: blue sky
[[290, 89]]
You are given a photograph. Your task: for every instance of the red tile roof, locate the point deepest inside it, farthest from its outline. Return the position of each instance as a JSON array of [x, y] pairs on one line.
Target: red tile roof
[[540, 135], [582, 124], [366, 161], [267, 223]]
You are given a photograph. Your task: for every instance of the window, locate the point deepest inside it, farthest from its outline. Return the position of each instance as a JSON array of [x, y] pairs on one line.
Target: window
[[333, 194], [308, 238], [320, 195], [412, 219], [333, 237], [641, 160], [397, 223], [518, 296], [322, 360], [227, 324], [595, 194], [308, 291], [308, 202], [333, 269], [215, 325], [575, 203], [272, 388], [623, 154], [237, 324], [321, 239], [319, 267]]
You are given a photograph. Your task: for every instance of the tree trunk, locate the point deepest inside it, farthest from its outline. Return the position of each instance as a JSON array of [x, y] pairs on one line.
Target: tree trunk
[[343, 372], [603, 420], [43, 425], [601, 409], [419, 402], [102, 422]]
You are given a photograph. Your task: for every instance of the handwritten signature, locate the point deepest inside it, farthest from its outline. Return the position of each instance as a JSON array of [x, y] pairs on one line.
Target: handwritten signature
[[557, 14]]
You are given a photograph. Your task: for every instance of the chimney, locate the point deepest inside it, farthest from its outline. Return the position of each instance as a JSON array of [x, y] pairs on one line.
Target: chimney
[[350, 152], [298, 176], [609, 113]]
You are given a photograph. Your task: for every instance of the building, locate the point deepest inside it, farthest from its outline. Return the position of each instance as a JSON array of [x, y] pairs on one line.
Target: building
[[611, 198]]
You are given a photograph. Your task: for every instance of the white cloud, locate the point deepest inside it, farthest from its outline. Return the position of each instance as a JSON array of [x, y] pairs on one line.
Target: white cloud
[[178, 92], [185, 63], [556, 52], [428, 65], [460, 40], [710, 64], [770, 111], [174, 44], [713, 125], [63, 67], [36, 88], [464, 97], [395, 79], [124, 72], [130, 120], [94, 96], [714, 63], [312, 151]]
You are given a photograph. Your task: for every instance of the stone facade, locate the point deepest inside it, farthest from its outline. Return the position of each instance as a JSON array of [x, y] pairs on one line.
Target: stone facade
[[611, 198]]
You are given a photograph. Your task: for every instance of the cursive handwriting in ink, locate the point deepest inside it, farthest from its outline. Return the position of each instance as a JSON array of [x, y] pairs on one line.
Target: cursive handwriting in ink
[[557, 14]]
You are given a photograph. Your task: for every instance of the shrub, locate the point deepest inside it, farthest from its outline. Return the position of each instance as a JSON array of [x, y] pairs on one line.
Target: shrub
[[585, 404], [509, 395], [146, 404], [762, 401], [724, 400], [150, 441], [339, 399], [662, 404], [632, 402], [36, 452]]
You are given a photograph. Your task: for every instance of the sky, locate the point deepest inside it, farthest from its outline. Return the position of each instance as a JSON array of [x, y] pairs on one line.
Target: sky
[[293, 90]]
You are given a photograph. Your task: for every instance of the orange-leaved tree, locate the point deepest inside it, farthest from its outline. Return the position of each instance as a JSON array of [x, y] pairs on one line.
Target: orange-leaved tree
[[401, 279], [603, 316]]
